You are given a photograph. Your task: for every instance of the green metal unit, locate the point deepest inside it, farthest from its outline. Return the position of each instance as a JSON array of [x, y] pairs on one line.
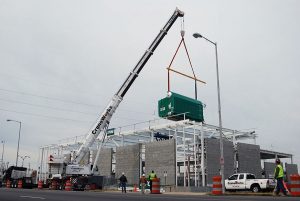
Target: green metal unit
[[177, 107]]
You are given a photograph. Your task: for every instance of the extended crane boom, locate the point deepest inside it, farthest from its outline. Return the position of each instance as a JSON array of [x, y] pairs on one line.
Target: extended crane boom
[[104, 120]]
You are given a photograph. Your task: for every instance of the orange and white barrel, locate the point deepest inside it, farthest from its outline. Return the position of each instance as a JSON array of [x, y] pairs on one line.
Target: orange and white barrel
[[68, 185], [40, 184], [295, 185], [20, 183], [8, 184], [156, 186], [217, 185]]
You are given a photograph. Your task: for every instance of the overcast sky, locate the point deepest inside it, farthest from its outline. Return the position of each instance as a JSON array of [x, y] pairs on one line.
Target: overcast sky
[[62, 61]]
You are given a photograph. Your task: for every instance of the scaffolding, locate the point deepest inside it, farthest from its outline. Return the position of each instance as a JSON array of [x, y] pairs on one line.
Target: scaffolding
[[189, 139]]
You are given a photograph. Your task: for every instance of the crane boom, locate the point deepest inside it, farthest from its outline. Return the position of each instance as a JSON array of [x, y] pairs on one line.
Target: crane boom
[[104, 120]]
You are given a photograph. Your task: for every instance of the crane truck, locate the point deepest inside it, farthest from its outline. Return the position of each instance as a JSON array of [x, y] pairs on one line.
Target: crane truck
[[75, 168]]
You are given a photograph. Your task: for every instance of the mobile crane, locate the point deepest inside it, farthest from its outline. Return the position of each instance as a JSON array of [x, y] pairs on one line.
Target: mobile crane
[[74, 167]]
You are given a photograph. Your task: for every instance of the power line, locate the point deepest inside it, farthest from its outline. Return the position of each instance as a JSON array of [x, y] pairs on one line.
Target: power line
[[45, 116], [65, 101], [58, 109], [50, 98], [60, 118], [44, 106]]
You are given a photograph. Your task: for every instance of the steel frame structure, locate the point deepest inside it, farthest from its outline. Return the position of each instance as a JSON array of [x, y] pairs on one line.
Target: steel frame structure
[[189, 137]]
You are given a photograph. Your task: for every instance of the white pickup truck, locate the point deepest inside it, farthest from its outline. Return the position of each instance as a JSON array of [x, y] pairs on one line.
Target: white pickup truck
[[247, 181]]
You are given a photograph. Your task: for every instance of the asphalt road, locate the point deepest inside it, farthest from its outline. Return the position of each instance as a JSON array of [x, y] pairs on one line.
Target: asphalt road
[[47, 195]]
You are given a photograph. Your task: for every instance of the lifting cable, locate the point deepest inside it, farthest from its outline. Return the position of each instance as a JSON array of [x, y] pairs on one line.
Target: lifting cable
[[182, 32]]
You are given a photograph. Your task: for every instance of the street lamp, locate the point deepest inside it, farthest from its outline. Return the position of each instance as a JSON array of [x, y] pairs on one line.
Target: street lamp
[[197, 35], [18, 138], [23, 158]]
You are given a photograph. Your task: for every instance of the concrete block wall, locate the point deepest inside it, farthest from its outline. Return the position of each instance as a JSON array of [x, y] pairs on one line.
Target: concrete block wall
[[249, 159], [160, 156], [228, 158], [128, 161], [290, 169], [269, 169], [105, 161], [212, 160]]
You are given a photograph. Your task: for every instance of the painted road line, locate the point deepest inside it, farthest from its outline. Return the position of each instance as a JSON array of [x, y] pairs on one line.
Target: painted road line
[[26, 196]]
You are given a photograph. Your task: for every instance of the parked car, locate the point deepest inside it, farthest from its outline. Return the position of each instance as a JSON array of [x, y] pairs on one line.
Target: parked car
[[247, 181]]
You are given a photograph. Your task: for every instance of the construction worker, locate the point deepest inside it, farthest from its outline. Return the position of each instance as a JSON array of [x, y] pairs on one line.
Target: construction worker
[[152, 175], [143, 181], [123, 181], [278, 175]]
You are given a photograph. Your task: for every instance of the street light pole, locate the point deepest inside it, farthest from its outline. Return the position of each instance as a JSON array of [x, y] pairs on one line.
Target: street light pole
[[3, 142], [23, 158], [197, 35], [18, 138]]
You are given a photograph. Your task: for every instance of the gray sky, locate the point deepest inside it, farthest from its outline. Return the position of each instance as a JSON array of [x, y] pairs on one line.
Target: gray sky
[[62, 61]]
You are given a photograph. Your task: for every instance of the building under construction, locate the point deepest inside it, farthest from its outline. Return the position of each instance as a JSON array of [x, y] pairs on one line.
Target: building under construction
[[182, 153]]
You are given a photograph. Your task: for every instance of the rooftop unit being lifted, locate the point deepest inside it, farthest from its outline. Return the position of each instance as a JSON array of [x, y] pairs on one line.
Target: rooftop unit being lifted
[[178, 107]]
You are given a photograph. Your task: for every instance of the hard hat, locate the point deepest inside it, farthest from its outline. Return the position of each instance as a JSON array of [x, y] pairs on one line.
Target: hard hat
[[123, 173], [277, 161], [143, 175]]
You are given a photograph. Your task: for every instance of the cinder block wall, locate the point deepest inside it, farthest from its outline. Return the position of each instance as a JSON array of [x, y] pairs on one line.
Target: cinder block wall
[[269, 169], [249, 159], [290, 169], [229, 158], [105, 161], [128, 161], [213, 158], [212, 147], [160, 156]]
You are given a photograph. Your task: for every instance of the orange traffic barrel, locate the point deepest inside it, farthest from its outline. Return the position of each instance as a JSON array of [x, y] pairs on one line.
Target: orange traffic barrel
[[295, 185], [134, 188], [217, 185], [20, 183], [40, 184], [8, 184], [68, 185], [155, 186]]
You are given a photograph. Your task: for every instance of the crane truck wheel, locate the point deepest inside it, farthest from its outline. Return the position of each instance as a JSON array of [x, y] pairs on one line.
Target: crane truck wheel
[[255, 188]]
